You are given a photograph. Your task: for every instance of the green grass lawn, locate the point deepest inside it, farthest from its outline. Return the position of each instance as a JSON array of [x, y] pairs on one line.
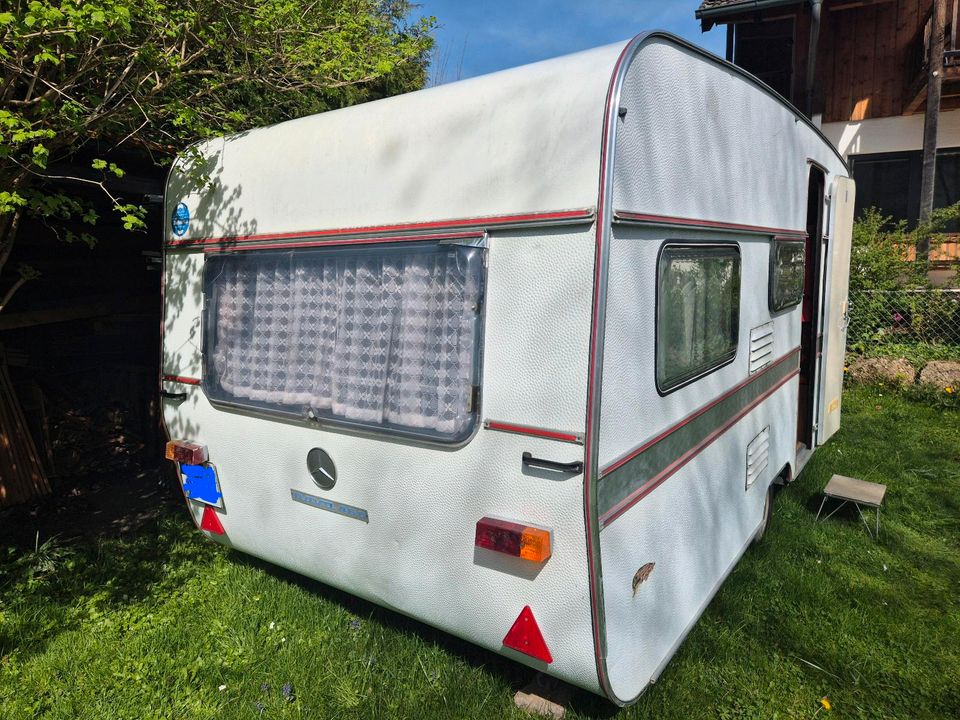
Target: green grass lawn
[[166, 625]]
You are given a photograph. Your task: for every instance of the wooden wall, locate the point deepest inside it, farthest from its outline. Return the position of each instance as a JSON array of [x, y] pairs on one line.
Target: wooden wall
[[863, 61], [863, 58]]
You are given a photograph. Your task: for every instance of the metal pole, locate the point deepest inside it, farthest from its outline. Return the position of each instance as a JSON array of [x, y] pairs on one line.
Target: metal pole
[[815, 7], [931, 120]]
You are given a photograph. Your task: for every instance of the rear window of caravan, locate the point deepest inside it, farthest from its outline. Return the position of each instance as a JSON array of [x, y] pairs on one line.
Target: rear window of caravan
[[383, 337], [698, 311]]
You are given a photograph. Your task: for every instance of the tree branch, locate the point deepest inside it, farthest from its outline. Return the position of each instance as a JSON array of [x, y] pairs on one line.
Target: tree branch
[[13, 289]]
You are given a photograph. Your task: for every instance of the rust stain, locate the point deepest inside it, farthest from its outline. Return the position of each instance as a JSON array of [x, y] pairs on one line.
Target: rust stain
[[641, 575]]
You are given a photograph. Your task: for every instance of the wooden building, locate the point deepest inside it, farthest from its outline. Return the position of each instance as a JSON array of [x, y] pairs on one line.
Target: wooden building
[[858, 68]]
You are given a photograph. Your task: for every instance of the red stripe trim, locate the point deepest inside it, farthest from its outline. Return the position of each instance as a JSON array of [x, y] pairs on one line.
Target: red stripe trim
[[711, 224], [645, 489], [346, 241], [522, 218], [181, 379], [533, 431], [696, 413]]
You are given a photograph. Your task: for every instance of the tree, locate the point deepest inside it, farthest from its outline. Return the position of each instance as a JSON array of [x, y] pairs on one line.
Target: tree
[[161, 75]]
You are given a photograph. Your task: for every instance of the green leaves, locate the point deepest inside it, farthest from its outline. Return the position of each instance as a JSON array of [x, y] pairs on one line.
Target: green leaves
[[163, 74], [11, 201], [113, 168], [132, 216]]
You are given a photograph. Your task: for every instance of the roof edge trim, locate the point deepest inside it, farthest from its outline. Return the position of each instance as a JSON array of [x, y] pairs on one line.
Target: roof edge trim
[[702, 13]]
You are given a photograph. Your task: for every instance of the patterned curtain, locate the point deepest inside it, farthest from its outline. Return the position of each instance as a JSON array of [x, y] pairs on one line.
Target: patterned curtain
[[383, 335]]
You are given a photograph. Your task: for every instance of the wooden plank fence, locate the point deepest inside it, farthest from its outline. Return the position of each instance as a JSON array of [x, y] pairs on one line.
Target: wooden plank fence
[[22, 476]]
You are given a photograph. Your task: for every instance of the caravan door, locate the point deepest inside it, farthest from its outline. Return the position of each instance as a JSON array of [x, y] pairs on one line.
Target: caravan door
[[836, 307]]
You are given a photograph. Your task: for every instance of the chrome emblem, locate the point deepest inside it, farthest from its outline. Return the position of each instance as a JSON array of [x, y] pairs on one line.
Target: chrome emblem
[[322, 469]]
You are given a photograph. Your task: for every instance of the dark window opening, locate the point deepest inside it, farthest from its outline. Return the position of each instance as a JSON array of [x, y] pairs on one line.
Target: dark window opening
[[766, 50], [890, 182]]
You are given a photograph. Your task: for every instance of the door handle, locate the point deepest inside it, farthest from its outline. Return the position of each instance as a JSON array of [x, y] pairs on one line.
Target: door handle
[[535, 462], [181, 396]]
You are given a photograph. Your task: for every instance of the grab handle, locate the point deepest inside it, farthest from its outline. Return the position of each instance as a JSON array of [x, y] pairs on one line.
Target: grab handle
[[535, 462]]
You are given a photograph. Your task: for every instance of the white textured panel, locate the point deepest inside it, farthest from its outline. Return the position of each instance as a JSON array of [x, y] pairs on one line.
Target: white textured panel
[[700, 142], [182, 311], [539, 293], [761, 346], [517, 141], [417, 555], [837, 306], [758, 456], [631, 409], [694, 526]]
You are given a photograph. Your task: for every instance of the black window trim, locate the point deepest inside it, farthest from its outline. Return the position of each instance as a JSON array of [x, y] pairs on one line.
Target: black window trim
[[692, 244], [774, 244]]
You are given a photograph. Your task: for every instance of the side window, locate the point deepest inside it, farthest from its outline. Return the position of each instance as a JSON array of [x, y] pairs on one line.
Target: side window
[[786, 274], [386, 336], [698, 311]]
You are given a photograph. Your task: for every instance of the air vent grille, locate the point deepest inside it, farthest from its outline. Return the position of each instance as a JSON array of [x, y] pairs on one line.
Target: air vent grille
[[758, 456], [761, 347]]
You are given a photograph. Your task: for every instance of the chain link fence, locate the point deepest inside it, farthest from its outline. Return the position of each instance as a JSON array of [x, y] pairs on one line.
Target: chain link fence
[[919, 322]]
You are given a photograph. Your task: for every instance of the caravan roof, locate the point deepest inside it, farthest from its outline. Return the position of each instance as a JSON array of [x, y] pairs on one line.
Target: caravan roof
[[524, 140]]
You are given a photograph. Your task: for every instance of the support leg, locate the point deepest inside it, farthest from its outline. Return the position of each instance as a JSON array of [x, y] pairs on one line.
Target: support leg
[[821, 508], [865, 523]]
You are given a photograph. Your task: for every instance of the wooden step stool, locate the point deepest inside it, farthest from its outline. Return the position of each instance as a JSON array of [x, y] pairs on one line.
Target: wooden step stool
[[858, 492]]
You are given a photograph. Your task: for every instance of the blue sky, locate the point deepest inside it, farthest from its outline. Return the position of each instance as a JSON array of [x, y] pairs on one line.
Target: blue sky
[[481, 36]]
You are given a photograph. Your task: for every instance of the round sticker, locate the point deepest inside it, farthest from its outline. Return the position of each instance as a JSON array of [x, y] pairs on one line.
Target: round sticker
[[180, 219]]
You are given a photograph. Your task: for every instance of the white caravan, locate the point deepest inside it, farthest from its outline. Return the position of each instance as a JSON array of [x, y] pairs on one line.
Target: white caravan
[[518, 356]]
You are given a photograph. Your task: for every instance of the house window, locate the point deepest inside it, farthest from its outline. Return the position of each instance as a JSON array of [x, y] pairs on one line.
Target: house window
[[890, 182], [386, 336], [786, 274], [698, 311], [765, 49]]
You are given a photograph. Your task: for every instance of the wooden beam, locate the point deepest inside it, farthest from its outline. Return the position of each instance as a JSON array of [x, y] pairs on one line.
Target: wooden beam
[[854, 4], [92, 309]]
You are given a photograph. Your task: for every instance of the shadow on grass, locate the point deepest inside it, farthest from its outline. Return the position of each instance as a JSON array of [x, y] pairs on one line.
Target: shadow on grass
[[60, 585], [511, 673]]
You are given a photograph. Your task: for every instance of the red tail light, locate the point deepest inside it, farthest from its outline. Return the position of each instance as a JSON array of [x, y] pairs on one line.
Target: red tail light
[[510, 538], [525, 637], [186, 453]]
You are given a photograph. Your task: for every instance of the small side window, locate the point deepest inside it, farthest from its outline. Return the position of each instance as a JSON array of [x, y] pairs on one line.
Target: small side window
[[698, 311], [786, 274]]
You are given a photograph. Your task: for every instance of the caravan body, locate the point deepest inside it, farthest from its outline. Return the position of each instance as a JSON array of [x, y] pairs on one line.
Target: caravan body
[[535, 343]]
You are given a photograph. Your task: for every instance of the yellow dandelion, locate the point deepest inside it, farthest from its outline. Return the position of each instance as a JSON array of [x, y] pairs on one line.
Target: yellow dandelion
[[948, 390], [825, 702]]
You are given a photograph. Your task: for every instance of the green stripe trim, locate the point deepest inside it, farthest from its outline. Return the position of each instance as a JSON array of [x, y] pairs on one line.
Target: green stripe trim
[[653, 462]]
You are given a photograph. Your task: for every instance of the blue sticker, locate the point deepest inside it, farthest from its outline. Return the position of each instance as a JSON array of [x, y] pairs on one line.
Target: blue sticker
[[200, 483], [180, 219]]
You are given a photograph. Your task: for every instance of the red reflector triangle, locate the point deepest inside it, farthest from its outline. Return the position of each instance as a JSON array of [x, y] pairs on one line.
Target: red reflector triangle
[[525, 637], [211, 521]]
